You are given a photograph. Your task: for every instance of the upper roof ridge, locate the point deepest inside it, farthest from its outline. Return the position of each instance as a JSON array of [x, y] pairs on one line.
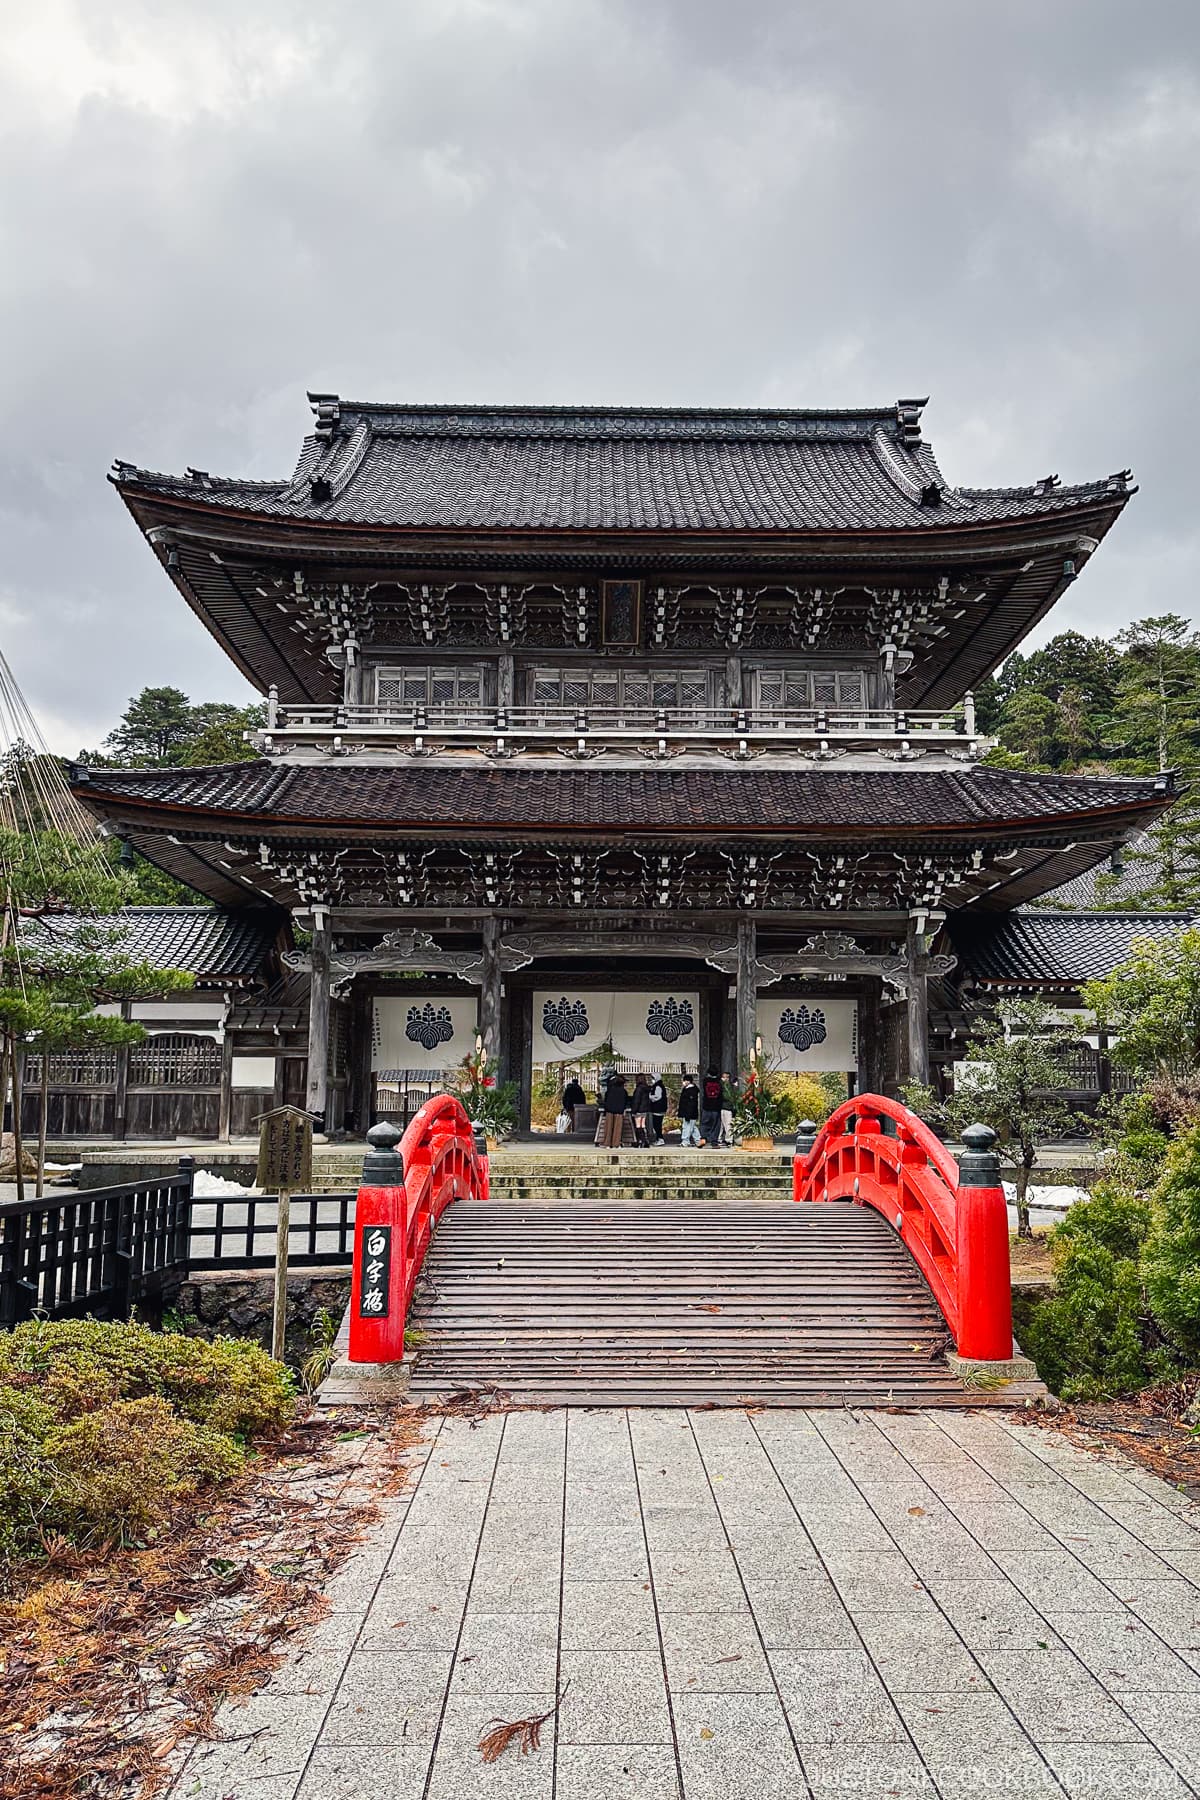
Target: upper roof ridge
[[335, 417]]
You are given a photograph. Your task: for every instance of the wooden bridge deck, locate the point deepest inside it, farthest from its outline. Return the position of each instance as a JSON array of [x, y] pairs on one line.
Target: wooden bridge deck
[[674, 1304]]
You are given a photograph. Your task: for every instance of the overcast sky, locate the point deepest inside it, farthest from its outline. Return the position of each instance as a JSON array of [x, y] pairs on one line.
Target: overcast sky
[[206, 209]]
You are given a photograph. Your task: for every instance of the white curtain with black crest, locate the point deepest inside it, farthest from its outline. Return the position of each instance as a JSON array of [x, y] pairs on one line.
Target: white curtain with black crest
[[419, 1032], [809, 1033], [656, 1029], [568, 1023]]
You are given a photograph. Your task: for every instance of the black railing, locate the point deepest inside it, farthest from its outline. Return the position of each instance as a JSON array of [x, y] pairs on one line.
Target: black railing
[[238, 1231], [101, 1252]]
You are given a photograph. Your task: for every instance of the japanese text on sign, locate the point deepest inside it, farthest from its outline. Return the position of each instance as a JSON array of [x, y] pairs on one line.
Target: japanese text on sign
[[374, 1275]]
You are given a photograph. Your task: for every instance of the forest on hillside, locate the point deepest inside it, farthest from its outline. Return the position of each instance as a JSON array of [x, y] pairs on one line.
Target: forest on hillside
[[1126, 705]]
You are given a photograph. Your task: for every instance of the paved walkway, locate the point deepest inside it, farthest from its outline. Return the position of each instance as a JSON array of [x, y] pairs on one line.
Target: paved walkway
[[794, 1603]]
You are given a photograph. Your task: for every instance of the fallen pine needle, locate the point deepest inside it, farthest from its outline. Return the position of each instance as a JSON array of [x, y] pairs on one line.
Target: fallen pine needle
[[526, 1732]]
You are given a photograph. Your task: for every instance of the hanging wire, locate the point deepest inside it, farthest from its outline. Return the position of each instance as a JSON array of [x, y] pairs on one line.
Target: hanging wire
[[40, 817]]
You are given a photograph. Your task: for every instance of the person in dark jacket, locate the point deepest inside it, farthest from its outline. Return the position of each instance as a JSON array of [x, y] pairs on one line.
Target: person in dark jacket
[[573, 1096], [658, 1108], [689, 1112], [712, 1100], [640, 1107], [616, 1105]]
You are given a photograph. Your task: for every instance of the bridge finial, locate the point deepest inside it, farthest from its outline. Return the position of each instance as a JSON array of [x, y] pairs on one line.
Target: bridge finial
[[979, 1165], [806, 1136], [383, 1165]]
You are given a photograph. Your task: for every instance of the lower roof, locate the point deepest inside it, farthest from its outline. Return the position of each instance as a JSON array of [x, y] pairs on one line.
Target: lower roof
[[1054, 949], [806, 801], [212, 943]]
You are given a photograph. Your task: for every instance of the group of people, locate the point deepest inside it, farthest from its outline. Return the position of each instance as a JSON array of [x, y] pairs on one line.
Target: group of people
[[705, 1109]]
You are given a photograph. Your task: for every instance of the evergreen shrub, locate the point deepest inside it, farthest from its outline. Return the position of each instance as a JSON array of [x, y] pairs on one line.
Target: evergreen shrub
[[1093, 1336], [105, 1428], [1171, 1261]]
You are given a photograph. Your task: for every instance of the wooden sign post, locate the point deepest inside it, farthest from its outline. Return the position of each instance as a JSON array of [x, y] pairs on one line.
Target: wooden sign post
[[285, 1137]]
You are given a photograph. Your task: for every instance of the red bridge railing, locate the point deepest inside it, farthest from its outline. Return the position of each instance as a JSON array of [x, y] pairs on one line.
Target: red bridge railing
[[408, 1182], [951, 1215]]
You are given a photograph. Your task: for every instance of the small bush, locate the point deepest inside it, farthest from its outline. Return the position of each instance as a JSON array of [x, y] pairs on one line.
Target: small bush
[[1094, 1336], [1118, 1222], [104, 1428], [82, 1364], [1172, 1258], [119, 1471], [807, 1097]]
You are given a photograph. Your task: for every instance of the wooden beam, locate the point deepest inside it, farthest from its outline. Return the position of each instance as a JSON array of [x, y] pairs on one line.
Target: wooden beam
[[318, 1019], [918, 1003], [747, 990], [489, 993]]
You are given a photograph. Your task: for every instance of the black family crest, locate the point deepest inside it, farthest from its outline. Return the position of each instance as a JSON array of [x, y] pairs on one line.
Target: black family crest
[[670, 1020], [564, 1020], [429, 1025], [802, 1028]]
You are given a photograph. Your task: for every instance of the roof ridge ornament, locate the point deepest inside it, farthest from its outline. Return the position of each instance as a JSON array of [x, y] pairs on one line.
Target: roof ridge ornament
[[327, 410], [908, 418]]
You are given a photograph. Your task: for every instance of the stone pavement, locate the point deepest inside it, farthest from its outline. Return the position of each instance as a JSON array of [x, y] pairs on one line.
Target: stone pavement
[[793, 1603]]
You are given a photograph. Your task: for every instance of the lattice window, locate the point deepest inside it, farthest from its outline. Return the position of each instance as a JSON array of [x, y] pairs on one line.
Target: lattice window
[[1079, 1066], [785, 691], [611, 693], [74, 1069], [175, 1059], [441, 691]]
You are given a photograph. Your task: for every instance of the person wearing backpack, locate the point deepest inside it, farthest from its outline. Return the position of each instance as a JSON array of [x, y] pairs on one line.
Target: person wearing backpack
[[689, 1113], [616, 1105], [712, 1100], [658, 1108]]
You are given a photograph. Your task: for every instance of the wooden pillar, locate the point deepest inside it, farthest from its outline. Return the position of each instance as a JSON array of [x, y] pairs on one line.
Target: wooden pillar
[[871, 1038], [523, 1020], [318, 1020], [510, 1013], [729, 1055], [362, 1091], [225, 1098], [352, 677], [489, 993], [505, 681], [733, 681], [918, 1004], [121, 1091], [747, 990]]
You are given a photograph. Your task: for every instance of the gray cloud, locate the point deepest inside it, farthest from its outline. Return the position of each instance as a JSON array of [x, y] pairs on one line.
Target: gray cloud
[[203, 211]]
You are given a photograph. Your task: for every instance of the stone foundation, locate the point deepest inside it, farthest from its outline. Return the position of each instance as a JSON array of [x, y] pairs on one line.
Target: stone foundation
[[237, 1303]]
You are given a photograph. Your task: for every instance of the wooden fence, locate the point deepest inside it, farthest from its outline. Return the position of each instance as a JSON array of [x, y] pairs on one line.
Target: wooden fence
[[102, 1252]]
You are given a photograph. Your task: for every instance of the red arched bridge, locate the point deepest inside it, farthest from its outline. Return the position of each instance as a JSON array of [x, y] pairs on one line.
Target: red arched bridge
[[848, 1287]]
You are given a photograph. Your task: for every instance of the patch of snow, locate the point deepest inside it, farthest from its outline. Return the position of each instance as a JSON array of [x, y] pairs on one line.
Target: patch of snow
[[1046, 1198], [208, 1186]]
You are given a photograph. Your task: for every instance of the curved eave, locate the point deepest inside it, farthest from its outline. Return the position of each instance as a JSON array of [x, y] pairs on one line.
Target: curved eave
[[218, 548], [271, 535]]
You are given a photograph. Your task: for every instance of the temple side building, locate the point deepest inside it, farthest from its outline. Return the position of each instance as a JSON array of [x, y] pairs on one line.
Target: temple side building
[[643, 731]]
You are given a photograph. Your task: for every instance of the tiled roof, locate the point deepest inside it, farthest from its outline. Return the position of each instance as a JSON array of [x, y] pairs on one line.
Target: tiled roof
[[1099, 889], [553, 468], [1066, 947], [800, 800], [208, 942]]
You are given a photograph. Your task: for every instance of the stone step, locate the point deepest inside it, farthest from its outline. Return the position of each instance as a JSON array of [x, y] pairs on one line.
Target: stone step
[[604, 1301]]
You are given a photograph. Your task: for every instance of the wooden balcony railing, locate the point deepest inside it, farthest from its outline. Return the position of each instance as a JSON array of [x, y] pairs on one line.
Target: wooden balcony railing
[[517, 729]]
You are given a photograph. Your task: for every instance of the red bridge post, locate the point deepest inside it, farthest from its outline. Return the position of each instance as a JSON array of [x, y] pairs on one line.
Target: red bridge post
[[984, 1278], [806, 1137], [482, 1167], [378, 1295]]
